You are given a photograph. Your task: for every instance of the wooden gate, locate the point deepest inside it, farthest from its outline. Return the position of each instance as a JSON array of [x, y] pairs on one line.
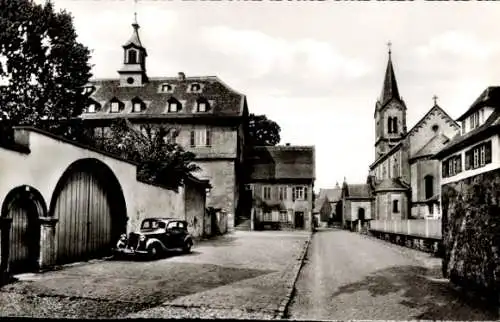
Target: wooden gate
[[85, 207], [24, 242]]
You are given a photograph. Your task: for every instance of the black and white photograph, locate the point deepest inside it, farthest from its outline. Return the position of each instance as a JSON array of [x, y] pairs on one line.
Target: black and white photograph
[[308, 160]]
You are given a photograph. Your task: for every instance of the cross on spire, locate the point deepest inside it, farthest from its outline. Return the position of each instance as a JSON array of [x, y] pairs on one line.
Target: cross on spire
[[389, 44], [135, 12], [435, 99]]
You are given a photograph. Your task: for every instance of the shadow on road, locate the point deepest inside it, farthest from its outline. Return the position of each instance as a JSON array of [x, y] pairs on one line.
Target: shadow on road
[[423, 288], [219, 241]]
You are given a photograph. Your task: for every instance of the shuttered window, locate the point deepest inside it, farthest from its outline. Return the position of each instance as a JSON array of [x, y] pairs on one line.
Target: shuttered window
[[452, 166], [478, 156]]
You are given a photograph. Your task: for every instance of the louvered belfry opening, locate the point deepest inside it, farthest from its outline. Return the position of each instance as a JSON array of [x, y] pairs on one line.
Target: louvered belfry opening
[[89, 205]]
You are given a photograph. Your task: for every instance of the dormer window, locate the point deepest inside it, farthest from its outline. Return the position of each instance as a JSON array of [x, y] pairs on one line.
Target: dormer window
[[166, 88], [116, 106], [137, 105], [174, 105], [202, 105], [88, 90], [194, 88], [474, 120]]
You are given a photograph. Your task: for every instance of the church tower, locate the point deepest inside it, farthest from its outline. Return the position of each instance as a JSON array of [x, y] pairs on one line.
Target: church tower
[[390, 113], [133, 72]]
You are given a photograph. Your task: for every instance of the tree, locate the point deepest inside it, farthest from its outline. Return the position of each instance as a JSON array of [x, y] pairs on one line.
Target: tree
[[161, 161], [42, 66], [262, 131]]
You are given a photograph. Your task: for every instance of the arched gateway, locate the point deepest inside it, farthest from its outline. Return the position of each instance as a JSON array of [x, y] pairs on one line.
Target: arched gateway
[[23, 206], [89, 205]]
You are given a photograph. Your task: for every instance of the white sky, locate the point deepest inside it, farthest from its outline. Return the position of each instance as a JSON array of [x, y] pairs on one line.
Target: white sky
[[316, 68]]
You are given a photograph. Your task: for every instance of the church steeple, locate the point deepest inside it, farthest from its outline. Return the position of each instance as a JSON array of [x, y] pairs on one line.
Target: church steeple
[[390, 113], [390, 87], [133, 72]]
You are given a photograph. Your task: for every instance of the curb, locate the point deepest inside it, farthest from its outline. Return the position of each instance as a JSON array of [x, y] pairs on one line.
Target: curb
[[283, 307]]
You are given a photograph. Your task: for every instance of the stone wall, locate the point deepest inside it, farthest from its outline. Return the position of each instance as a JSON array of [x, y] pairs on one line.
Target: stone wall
[[222, 176], [471, 232], [153, 201]]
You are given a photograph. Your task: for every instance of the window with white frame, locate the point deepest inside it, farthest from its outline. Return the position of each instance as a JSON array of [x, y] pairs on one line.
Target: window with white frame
[[91, 108], [200, 137], [283, 216], [267, 216], [266, 192], [474, 120], [478, 156], [137, 107], [172, 107], [451, 166], [299, 193], [283, 193], [115, 107]]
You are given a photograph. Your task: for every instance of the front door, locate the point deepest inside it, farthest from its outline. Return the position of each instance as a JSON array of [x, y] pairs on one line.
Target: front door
[[299, 220]]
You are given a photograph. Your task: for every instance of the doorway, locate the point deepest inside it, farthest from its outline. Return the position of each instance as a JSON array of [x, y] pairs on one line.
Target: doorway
[[299, 219]]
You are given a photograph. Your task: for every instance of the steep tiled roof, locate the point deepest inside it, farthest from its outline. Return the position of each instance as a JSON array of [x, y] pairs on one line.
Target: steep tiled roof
[[390, 184], [222, 100], [490, 96], [358, 191], [333, 195], [282, 162], [492, 125]]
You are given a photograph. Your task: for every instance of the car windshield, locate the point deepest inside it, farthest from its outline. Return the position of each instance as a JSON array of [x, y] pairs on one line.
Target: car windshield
[[152, 224]]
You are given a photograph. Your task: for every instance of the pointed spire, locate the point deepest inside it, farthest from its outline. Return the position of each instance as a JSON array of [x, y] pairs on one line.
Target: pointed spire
[[134, 39], [390, 88]]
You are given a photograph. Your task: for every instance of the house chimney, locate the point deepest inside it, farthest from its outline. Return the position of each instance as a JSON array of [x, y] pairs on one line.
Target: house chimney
[[182, 76]]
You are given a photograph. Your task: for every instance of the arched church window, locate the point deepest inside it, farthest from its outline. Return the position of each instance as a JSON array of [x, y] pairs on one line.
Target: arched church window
[[132, 56], [394, 125], [389, 124]]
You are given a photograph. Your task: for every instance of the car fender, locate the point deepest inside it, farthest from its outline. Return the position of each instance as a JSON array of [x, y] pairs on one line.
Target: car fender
[[152, 241], [188, 238]]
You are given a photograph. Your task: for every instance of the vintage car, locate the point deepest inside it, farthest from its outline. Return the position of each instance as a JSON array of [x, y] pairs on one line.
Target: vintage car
[[156, 237]]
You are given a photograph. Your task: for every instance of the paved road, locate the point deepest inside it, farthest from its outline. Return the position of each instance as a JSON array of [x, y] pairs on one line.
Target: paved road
[[350, 276], [241, 275]]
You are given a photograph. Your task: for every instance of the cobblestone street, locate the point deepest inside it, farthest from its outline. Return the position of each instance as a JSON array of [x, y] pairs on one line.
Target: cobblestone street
[[240, 275], [350, 276]]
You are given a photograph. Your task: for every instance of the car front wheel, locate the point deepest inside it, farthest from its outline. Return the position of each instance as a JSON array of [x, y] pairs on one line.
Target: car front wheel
[[154, 251], [187, 247]]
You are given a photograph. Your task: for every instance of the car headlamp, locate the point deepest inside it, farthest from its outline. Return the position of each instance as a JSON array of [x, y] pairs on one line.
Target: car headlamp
[[142, 238]]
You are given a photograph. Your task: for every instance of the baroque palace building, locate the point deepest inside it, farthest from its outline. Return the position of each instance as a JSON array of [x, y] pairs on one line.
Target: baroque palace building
[[404, 178], [208, 115]]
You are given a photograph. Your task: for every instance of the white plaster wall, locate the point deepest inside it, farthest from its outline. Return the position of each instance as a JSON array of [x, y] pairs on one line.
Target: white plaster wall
[[48, 160]]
